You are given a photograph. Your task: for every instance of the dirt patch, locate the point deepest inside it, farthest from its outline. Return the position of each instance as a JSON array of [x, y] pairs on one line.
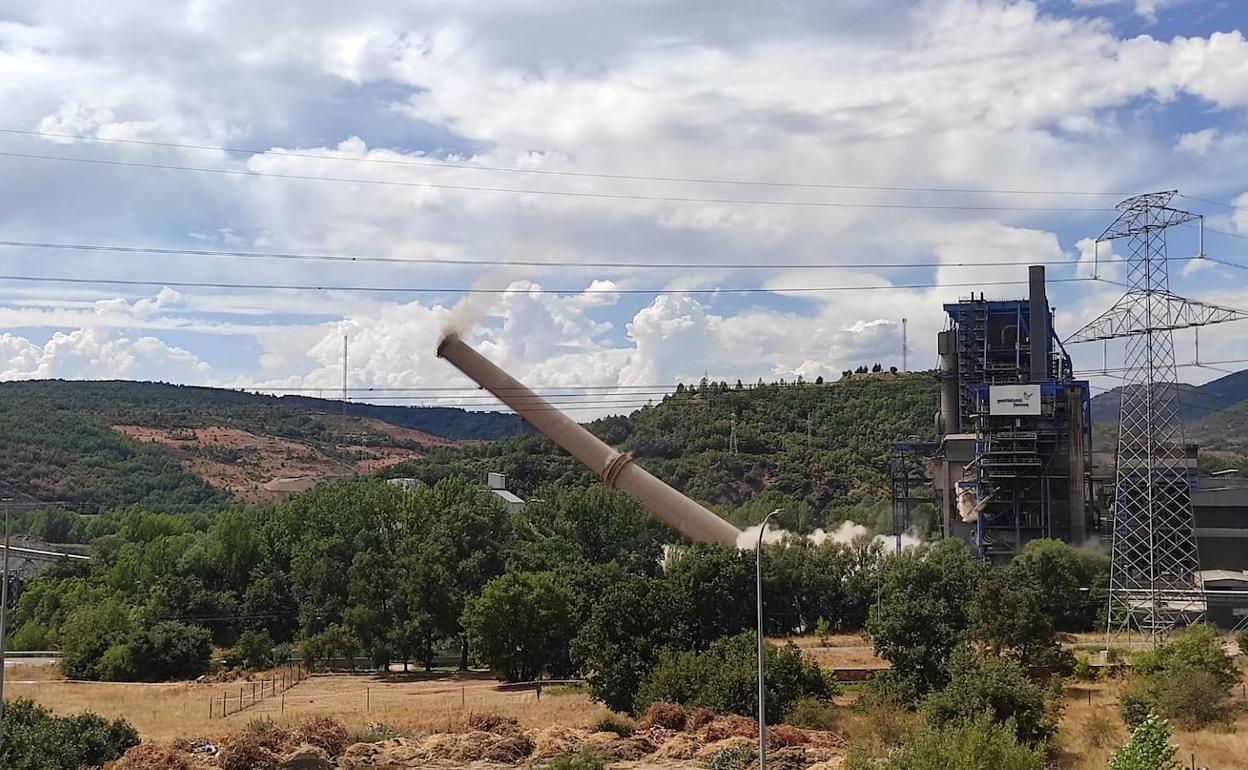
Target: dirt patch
[[262, 468]]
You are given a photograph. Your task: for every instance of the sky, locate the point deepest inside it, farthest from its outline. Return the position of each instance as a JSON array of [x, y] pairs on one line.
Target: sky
[[708, 145]]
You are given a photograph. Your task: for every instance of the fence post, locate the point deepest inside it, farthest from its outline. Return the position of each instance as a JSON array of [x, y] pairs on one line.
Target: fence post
[[210, 705], [253, 692], [283, 701], [463, 695], [223, 708], [368, 699]]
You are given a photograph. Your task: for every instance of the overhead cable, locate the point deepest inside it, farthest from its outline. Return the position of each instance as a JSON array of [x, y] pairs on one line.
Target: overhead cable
[[437, 164], [556, 193], [352, 258]]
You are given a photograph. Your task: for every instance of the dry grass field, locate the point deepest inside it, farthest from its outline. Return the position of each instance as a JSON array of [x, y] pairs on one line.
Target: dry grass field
[[1090, 730], [838, 651], [165, 711]]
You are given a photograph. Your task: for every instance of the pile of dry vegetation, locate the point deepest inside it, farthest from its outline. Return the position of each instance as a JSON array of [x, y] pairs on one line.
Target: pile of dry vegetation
[[666, 732]]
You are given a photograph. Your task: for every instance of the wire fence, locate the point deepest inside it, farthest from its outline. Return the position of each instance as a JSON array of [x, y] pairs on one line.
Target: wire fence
[[257, 691]]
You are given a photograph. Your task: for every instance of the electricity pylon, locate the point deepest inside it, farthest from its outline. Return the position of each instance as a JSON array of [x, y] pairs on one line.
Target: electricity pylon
[[1153, 582]]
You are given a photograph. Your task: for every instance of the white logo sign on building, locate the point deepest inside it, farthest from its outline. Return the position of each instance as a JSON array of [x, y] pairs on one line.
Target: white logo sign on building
[[1014, 400]]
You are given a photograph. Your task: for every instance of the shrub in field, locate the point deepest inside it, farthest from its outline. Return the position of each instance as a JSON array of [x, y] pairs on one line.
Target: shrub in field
[[723, 678], [733, 758], [981, 744], [1148, 749], [1099, 728], [999, 687], [170, 650], [1188, 680], [1242, 640], [614, 724], [812, 714], [253, 651], [36, 740], [585, 759]]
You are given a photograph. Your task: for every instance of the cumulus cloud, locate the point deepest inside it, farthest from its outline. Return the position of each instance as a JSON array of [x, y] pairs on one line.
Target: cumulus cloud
[[960, 95], [93, 354]]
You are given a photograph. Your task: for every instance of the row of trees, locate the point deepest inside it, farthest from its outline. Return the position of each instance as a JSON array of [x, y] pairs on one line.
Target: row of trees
[[578, 581]]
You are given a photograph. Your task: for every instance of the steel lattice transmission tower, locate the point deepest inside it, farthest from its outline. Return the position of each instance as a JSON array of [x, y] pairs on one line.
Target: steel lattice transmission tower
[[1153, 577]]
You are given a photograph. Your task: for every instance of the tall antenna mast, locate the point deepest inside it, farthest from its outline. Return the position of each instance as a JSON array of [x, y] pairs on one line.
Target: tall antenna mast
[[1153, 582], [344, 375], [905, 347]]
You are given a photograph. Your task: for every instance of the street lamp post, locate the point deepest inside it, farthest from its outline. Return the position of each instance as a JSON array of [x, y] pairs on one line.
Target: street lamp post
[[762, 679], [4, 608]]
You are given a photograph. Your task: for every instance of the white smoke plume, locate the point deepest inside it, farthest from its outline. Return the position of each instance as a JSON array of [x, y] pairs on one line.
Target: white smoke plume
[[846, 532], [473, 307]]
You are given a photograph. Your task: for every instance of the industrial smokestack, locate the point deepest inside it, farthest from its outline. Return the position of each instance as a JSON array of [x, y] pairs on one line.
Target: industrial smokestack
[[616, 469], [1038, 311]]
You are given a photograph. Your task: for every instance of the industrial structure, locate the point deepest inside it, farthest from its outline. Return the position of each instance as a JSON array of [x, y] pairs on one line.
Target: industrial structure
[[1154, 582], [1012, 461], [1014, 430]]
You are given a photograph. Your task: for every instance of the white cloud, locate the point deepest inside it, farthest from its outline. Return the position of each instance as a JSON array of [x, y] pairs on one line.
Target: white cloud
[[97, 355], [964, 94]]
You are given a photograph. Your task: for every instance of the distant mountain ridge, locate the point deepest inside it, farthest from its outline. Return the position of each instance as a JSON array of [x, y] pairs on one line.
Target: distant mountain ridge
[[1196, 402], [114, 442]]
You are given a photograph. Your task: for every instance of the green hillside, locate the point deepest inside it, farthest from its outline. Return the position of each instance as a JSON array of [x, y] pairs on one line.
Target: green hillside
[[58, 443], [823, 445]]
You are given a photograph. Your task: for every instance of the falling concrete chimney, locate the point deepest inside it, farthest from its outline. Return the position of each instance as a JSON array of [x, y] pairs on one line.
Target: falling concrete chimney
[[1038, 311], [616, 469]]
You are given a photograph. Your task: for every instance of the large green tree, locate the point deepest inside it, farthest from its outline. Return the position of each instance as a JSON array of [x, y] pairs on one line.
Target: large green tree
[[521, 625], [923, 612]]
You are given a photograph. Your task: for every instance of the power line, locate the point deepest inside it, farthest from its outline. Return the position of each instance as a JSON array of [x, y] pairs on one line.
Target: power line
[[1213, 202], [473, 290], [352, 258], [553, 172], [557, 193]]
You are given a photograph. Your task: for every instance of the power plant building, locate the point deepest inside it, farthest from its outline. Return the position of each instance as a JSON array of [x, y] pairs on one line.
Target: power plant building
[[1014, 427]]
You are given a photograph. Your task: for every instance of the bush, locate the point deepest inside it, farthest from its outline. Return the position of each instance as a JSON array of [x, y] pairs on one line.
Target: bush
[[1192, 699], [1149, 748], [88, 632], [171, 650], [812, 714], [585, 759], [1242, 640], [1188, 680], [1198, 648], [733, 758], [254, 651], [998, 687], [1099, 728], [614, 724], [975, 745], [724, 678], [1083, 669], [36, 740], [117, 664]]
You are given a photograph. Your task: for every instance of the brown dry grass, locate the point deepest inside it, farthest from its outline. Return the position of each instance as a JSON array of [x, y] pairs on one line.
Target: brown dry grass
[[164, 712], [1215, 747], [838, 650]]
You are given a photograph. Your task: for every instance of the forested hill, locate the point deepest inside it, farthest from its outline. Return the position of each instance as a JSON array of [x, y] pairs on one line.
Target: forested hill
[[115, 443], [819, 450], [1215, 417]]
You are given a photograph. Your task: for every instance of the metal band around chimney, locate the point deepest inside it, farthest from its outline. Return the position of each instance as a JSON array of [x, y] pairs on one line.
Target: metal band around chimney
[[613, 469]]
